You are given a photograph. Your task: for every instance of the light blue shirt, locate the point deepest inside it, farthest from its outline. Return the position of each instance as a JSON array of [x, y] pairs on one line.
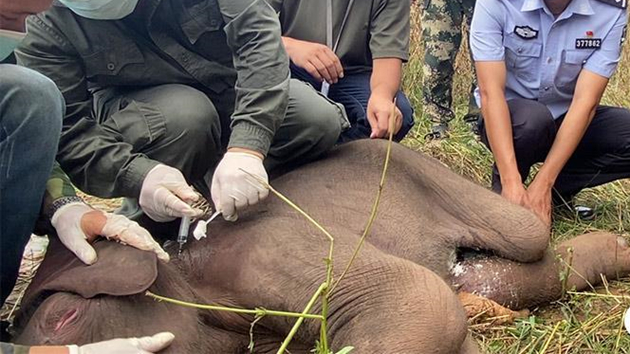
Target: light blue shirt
[[544, 55]]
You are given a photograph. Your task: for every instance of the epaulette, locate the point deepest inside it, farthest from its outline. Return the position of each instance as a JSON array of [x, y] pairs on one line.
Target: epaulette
[[622, 4]]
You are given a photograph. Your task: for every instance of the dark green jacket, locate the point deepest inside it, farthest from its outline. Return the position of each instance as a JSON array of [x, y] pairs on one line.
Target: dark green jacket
[[231, 48]]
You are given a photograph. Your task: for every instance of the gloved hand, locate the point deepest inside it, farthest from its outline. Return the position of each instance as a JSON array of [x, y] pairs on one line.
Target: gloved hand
[[232, 188], [76, 222], [144, 345], [165, 194]]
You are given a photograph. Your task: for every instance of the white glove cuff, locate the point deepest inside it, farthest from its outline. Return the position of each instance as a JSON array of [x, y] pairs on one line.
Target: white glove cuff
[[243, 154], [73, 349]]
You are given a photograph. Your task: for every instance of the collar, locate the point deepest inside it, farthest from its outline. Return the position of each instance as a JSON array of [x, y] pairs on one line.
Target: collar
[[579, 7]]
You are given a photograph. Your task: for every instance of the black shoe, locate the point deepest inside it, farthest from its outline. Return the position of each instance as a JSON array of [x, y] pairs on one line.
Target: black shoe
[[472, 119], [4, 333], [584, 213], [439, 131]]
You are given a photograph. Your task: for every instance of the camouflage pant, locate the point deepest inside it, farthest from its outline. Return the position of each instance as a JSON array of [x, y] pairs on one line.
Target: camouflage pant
[[442, 36]]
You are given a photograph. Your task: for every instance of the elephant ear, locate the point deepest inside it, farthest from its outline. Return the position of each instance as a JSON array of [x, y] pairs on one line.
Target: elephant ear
[[119, 271]]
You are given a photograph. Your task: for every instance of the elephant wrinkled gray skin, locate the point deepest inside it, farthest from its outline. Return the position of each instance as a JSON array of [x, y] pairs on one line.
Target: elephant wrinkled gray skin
[[397, 298]]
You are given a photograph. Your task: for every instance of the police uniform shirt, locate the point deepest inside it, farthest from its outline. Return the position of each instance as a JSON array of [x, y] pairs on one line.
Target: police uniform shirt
[[545, 55]]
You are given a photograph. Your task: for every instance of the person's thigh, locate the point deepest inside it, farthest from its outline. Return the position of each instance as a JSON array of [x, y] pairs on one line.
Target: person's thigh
[[174, 124], [603, 154], [311, 127], [31, 110], [533, 134]]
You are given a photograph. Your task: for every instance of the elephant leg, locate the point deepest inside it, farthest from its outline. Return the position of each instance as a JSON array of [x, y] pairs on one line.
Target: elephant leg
[[575, 264]]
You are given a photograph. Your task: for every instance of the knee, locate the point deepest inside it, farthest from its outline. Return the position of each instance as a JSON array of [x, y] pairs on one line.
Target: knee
[[531, 120], [319, 119], [190, 116], [30, 101], [324, 125]]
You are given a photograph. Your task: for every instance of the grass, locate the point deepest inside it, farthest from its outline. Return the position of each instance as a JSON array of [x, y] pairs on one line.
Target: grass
[[580, 323]]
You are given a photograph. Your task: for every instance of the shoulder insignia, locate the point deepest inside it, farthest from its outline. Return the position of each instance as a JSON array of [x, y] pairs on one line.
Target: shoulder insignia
[[622, 4]]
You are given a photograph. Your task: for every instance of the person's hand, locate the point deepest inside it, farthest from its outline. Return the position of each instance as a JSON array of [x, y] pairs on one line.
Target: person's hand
[[539, 196], [317, 59], [165, 195], [144, 345], [233, 187], [379, 110], [77, 224], [516, 193]]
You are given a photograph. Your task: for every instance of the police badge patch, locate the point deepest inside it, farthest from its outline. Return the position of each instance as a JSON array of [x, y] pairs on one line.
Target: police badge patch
[[526, 32]]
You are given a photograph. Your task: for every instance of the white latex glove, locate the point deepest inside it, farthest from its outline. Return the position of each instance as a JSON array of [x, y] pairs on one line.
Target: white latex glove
[[165, 195], [144, 345], [232, 188], [67, 222]]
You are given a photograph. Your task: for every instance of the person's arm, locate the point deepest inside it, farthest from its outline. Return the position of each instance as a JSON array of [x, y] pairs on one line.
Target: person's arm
[[389, 48], [486, 41], [262, 96], [96, 160], [316, 58], [262, 66], [588, 93], [590, 87], [496, 115], [384, 84], [147, 345]]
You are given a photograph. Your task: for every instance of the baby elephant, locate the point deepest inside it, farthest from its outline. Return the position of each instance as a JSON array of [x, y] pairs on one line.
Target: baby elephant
[[398, 297]]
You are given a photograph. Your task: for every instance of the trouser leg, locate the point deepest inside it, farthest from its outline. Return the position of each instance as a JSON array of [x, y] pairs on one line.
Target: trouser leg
[[602, 156], [31, 110], [176, 125], [533, 132], [442, 36], [310, 128], [353, 92]]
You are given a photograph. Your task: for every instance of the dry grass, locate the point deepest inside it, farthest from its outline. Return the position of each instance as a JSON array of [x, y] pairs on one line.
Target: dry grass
[[580, 323]]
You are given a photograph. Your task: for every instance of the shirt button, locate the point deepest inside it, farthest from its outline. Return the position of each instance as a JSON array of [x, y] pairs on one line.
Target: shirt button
[[519, 50], [546, 88], [549, 60], [111, 66]]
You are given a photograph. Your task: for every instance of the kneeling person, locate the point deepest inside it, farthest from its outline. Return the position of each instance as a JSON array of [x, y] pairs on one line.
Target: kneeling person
[[355, 50], [156, 90], [542, 68]]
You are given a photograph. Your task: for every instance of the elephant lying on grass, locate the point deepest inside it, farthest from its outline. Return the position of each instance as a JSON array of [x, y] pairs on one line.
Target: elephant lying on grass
[[397, 298]]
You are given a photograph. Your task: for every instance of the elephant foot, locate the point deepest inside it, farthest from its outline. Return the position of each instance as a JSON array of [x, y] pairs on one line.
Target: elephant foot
[[480, 309]]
